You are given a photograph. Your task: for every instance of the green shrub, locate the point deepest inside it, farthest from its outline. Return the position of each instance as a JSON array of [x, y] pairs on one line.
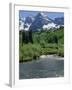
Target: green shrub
[[29, 51], [46, 51], [61, 52]]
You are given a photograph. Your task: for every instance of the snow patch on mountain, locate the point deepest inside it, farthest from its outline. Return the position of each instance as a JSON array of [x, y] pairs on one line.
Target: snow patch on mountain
[[49, 26], [26, 27], [21, 24]]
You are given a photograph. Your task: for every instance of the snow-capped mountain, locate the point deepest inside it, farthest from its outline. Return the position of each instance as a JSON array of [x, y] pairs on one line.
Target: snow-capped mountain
[[40, 21], [26, 23]]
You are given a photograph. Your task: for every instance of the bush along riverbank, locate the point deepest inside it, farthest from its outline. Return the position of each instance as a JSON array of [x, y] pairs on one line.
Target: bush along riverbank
[[34, 44]]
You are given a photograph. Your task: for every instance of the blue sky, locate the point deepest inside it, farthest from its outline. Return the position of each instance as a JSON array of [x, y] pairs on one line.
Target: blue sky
[[51, 15]]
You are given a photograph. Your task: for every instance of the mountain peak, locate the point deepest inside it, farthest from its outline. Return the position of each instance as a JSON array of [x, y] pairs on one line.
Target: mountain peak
[[41, 20], [29, 19], [41, 13]]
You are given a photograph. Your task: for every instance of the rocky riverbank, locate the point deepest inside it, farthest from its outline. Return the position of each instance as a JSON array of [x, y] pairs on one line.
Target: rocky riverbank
[[55, 57]]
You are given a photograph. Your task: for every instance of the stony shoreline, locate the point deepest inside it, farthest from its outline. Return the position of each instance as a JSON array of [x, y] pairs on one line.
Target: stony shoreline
[[52, 57]]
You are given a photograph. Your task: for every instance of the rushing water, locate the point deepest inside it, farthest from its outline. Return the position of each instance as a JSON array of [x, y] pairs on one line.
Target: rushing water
[[43, 68]]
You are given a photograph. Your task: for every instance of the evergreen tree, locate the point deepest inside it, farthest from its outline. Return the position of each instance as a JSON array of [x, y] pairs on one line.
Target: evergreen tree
[[30, 36]]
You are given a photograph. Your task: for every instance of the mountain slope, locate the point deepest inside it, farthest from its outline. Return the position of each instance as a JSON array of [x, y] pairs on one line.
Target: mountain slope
[[40, 21]]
